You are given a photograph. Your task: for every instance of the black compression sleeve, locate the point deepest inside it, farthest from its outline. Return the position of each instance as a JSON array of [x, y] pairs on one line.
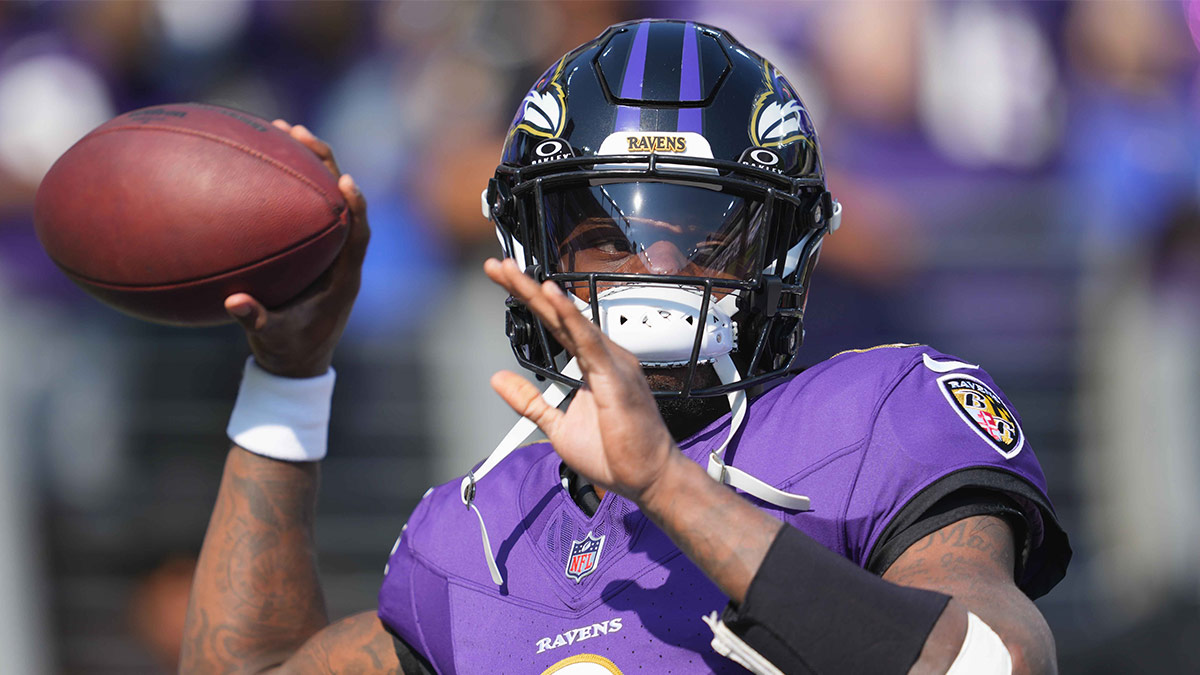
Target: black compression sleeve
[[809, 610]]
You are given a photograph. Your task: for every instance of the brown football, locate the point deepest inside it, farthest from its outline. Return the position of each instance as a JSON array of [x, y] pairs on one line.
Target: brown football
[[164, 212]]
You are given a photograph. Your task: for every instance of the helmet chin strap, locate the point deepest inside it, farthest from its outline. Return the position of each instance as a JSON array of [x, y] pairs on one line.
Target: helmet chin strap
[[554, 395], [721, 472]]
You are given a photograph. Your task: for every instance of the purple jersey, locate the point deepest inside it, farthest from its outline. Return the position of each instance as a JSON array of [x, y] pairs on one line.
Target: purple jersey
[[865, 435]]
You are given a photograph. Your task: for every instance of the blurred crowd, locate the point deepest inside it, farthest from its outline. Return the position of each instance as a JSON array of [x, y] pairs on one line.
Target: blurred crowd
[[1021, 183]]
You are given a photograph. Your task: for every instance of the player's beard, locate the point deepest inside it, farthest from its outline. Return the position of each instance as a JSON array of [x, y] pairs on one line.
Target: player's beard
[[686, 416]]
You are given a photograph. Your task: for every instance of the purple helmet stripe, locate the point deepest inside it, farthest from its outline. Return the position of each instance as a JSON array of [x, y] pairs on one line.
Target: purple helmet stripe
[[629, 118], [689, 80]]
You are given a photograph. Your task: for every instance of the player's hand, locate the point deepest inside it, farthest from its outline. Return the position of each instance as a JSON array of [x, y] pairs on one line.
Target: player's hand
[[612, 432], [298, 339]]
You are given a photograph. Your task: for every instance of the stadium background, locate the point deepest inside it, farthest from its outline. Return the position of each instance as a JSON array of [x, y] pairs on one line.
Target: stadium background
[[1021, 183]]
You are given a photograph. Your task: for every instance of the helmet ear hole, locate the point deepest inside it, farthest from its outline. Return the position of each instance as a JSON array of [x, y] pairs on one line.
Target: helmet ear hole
[[784, 340], [524, 333]]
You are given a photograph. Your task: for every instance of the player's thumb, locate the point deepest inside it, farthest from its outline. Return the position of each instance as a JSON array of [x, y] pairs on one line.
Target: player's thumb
[[246, 311]]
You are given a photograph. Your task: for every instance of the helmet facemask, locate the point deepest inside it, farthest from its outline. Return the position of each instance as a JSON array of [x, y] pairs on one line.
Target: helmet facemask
[[647, 247]]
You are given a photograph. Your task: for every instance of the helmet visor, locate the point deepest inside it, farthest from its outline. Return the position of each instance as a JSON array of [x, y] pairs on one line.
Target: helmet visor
[[655, 228]]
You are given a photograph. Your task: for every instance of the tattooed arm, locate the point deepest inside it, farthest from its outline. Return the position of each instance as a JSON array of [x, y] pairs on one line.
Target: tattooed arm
[[972, 560], [256, 604]]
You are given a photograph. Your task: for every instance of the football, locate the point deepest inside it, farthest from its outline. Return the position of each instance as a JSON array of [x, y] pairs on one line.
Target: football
[[164, 212]]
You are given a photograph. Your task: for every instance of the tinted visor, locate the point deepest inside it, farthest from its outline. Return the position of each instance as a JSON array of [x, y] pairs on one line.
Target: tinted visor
[[655, 228]]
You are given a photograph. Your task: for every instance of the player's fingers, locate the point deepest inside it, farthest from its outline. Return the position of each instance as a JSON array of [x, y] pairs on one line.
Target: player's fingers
[[522, 287], [535, 297], [282, 125], [588, 342], [246, 311], [360, 231], [560, 316], [319, 147], [353, 195], [526, 400]]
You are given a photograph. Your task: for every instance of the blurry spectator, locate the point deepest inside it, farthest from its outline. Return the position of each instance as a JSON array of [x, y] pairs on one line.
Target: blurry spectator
[[158, 607], [1132, 155]]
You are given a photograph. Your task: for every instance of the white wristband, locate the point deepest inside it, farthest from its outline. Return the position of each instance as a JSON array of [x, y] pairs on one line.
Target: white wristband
[[282, 417]]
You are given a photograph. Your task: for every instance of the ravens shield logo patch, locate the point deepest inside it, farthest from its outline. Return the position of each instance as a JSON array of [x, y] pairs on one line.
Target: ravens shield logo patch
[[983, 411]]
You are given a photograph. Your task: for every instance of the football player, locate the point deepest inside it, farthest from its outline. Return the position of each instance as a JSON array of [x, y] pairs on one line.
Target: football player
[[703, 504]]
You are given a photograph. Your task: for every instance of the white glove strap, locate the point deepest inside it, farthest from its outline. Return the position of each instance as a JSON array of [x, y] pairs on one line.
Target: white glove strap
[[282, 417], [730, 645]]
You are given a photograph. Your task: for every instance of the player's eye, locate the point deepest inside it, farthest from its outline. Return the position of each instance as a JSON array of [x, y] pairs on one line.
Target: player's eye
[[603, 237], [613, 246]]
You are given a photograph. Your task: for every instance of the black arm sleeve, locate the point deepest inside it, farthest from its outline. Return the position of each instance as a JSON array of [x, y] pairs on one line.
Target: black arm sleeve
[[1043, 550], [809, 610]]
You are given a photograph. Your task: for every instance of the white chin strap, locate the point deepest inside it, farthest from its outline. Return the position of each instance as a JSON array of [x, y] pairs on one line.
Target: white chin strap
[[554, 395], [721, 472]]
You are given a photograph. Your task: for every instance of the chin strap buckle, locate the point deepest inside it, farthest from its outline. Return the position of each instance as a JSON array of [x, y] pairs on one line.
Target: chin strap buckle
[[721, 472], [468, 493], [716, 467]]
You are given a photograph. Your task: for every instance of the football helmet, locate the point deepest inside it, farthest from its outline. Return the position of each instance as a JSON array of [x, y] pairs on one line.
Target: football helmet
[[670, 180]]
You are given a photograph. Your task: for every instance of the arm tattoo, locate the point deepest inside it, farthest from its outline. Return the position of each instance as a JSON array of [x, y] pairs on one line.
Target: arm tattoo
[[356, 644], [717, 529], [973, 561], [975, 550], [256, 596]]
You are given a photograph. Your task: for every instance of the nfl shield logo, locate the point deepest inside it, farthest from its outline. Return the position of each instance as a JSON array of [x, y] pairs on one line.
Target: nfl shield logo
[[585, 553]]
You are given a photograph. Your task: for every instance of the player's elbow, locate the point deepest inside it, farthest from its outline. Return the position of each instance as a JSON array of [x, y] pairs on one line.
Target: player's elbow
[[987, 649], [1028, 649], [1037, 658]]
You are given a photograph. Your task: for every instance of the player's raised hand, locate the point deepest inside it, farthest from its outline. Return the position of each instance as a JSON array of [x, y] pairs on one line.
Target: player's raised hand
[[612, 432], [298, 339]]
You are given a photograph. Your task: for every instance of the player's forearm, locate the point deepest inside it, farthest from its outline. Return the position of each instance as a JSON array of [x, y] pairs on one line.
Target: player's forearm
[[729, 539], [256, 596], [718, 530]]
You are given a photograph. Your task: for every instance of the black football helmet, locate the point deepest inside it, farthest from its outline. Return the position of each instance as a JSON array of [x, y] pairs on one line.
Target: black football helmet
[[670, 180]]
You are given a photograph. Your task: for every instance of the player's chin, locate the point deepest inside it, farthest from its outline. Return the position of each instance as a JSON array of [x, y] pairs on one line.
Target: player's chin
[[686, 416], [672, 378]]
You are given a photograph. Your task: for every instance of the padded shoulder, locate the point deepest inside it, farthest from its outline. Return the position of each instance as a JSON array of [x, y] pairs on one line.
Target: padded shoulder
[[445, 531], [941, 417], [831, 405]]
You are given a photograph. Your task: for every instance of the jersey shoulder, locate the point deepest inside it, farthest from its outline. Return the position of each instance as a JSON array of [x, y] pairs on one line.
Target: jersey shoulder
[[833, 404]]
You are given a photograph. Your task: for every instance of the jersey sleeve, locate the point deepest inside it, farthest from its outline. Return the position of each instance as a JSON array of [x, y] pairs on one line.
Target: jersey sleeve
[[945, 444]]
